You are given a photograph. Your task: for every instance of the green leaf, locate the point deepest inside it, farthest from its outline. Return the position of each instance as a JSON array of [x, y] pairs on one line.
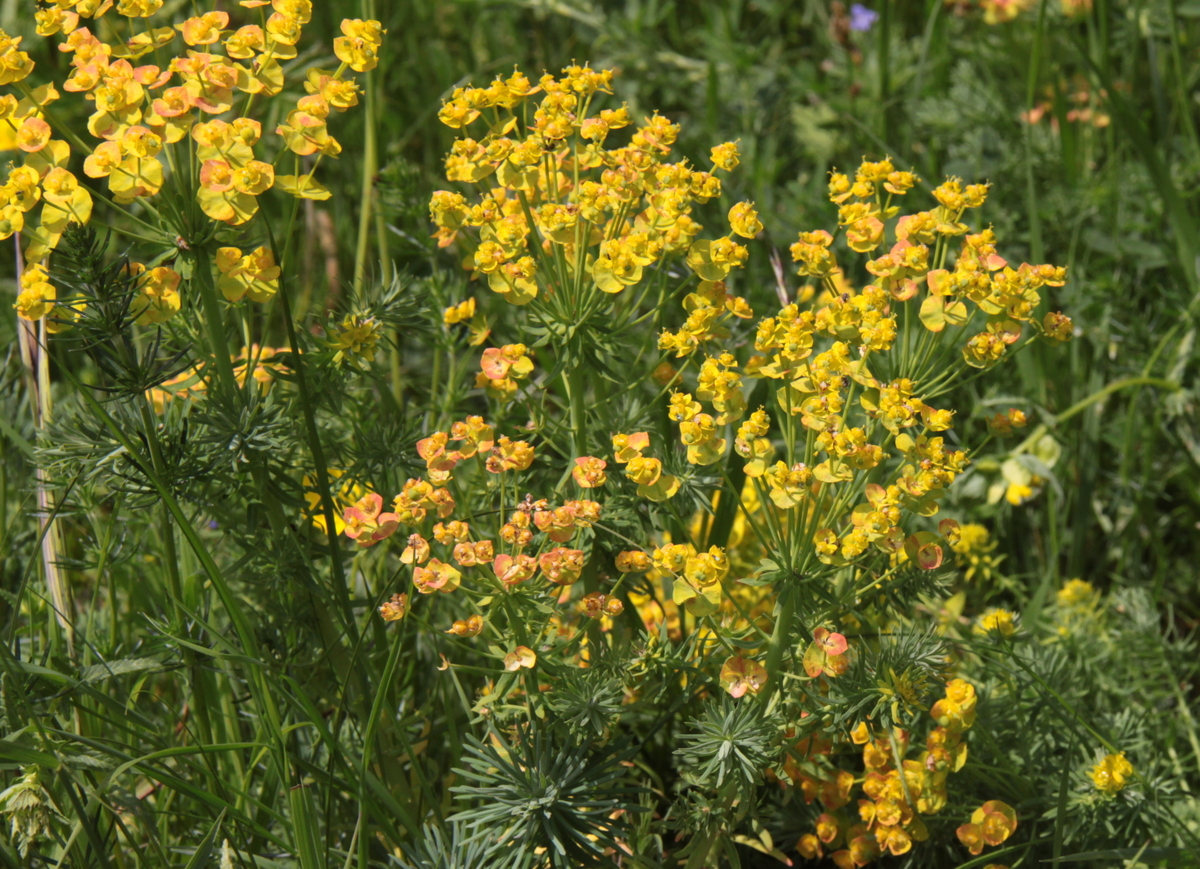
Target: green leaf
[[14, 752], [204, 849], [96, 672], [1179, 858]]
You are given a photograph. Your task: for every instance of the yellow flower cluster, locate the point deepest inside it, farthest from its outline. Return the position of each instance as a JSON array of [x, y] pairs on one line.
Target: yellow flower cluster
[[719, 384], [972, 545], [141, 110], [825, 356], [560, 214], [647, 472], [898, 790]]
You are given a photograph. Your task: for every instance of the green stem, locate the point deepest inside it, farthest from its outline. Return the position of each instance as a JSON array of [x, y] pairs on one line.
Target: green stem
[[218, 340], [321, 467], [370, 166], [781, 634], [576, 389]]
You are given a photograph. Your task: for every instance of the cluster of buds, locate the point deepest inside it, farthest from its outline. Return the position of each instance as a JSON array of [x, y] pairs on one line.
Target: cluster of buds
[[354, 340]]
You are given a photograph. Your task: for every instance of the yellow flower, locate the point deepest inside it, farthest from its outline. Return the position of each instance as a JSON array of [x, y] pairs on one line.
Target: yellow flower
[[355, 340], [1058, 326], [37, 296], [359, 47], [459, 313], [971, 538], [743, 219], [509, 455], [394, 609], [998, 621], [589, 473], [254, 274], [725, 156], [204, 29], [521, 656], [741, 675], [1112, 773], [157, 299], [1076, 592], [437, 576], [15, 65]]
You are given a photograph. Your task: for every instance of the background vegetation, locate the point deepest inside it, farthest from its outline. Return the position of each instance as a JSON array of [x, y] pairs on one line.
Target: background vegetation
[[1084, 120]]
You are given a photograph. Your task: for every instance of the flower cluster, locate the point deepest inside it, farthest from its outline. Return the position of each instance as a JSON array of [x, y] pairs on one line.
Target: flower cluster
[[1111, 774], [897, 789], [534, 536], [501, 368], [150, 123], [874, 449], [560, 215]]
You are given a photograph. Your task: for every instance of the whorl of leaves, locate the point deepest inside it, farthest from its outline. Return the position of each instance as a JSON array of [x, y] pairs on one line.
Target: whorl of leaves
[[891, 682], [729, 742], [446, 848], [587, 703], [544, 790], [82, 268]]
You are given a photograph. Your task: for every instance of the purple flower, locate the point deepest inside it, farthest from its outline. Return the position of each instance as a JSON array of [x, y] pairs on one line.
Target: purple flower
[[862, 18]]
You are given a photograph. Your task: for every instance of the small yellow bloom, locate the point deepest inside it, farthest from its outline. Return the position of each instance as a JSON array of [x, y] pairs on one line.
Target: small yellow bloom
[[725, 156], [1112, 773], [394, 609], [1076, 592], [521, 656], [460, 313], [743, 219], [998, 621]]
